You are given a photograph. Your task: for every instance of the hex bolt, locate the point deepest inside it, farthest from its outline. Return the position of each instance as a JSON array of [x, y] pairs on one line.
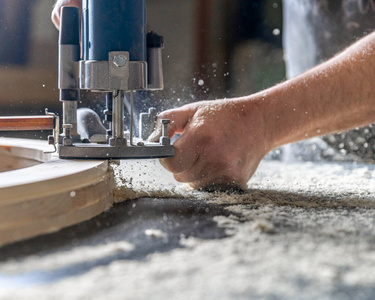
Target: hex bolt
[[67, 130], [165, 127], [120, 60]]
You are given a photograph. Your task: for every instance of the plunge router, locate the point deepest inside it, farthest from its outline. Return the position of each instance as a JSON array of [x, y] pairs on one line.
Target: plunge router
[[105, 50], [118, 58]]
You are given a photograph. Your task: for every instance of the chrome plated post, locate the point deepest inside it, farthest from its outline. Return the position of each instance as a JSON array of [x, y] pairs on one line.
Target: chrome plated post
[[70, 116], [131, 117], [118, 115]]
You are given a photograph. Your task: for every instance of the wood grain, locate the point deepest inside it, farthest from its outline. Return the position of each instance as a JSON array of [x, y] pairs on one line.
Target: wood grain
[[51, 194], [15, 123]]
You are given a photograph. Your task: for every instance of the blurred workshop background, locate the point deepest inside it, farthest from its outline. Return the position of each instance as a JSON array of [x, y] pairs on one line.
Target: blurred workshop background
[[213, 49]]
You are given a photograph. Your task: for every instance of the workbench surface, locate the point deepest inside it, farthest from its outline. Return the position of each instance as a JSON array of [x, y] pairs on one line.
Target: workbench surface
[[302, 231]]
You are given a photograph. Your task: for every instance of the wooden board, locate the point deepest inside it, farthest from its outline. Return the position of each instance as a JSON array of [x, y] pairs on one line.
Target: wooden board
[[40, 193], [16, 123]]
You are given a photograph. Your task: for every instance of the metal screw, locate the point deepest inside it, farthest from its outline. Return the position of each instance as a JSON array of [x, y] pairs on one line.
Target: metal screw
[[165, 127], [120, 60]]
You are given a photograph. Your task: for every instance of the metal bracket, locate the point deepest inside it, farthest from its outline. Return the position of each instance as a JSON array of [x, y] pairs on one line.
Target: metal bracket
[[54, 138], [147, 122], [98, 151], [118, 73], [119, 70]]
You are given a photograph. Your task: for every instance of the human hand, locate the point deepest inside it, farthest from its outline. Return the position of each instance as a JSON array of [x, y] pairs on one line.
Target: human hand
[[55, 17], [221, 143]]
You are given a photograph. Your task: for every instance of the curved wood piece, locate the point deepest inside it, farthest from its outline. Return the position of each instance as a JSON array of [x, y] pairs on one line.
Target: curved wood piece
[[40, 193]]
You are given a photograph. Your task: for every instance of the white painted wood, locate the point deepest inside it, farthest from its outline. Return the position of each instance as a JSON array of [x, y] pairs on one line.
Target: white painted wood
[[45, 193]]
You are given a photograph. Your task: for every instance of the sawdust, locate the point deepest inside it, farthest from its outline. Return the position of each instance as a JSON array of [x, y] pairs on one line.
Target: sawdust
[[301, 231], [155, 233], [63, 259], [146, 178]]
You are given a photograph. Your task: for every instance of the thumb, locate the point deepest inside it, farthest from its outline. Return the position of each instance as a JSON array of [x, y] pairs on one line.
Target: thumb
[[179, 117]]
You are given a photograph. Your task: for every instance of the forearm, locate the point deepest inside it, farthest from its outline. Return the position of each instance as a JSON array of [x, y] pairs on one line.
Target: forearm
[[335, 96]]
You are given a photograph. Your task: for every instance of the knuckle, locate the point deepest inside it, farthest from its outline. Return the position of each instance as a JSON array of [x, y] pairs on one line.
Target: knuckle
[[172, 126], [173, 165], [166, 163], [167, 114], [181, 178]]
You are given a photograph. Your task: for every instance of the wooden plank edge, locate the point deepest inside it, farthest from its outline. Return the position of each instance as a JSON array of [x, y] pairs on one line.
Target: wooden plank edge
[[100, 193]]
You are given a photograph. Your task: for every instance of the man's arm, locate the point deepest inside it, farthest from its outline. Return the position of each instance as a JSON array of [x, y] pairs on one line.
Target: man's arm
[[56, 10], [223, 141]]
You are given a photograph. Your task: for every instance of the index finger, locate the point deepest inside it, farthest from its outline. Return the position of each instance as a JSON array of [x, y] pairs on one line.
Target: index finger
[[179, 118]]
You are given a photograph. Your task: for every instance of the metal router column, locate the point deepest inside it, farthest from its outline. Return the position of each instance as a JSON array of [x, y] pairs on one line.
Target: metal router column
[[69, 55], [118, 116]]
